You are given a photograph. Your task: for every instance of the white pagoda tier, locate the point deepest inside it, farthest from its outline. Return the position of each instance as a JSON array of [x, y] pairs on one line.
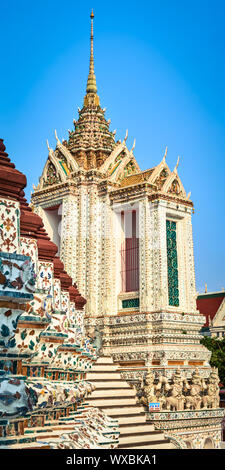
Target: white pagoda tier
[[125, 236]]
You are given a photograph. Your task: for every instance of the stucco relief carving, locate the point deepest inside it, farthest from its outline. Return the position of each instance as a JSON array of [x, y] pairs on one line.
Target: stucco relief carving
[[179, 394]]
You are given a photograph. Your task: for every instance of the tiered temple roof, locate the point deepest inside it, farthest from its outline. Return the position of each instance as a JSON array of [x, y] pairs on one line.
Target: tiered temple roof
[[91, 142], [92, 146]]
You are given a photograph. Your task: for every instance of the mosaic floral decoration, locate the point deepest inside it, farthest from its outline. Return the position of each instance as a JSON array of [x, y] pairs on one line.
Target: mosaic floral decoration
[[17, 277], [9, 225]]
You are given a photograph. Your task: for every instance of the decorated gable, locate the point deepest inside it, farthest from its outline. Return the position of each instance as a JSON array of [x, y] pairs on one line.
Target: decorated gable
[[52, 176]]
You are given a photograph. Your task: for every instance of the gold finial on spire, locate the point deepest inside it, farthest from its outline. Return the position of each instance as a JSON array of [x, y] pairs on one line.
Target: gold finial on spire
[[91, 82]]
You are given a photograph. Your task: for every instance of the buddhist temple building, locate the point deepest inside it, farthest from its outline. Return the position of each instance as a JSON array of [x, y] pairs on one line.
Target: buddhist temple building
[[212, 306], [125, 237]]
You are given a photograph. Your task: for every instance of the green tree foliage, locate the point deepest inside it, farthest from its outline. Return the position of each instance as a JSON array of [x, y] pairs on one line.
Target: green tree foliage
[[217, 347]]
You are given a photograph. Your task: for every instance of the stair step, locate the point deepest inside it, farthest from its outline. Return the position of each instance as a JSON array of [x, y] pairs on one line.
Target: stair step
[[157, 446], [104, 367], [154, 436], [114, 375], [107, 393], [107, 383], [116, 406], [148, 444], [139, 428], [136, 419], [124, 410], [105, 402]]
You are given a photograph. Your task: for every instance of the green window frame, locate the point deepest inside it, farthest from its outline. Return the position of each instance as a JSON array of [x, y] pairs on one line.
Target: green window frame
[[130, 303], [172, 263]]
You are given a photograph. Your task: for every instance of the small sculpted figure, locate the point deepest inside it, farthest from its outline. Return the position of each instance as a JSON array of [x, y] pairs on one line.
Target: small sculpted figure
[[149, 390], [176, 399], [194, 399], [212, 398]]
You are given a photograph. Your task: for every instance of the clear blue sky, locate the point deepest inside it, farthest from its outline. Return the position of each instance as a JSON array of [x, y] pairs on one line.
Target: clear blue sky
[[160, 69]]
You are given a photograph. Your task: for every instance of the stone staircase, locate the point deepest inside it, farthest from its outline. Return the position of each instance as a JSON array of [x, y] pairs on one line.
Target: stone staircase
[[115, 396]]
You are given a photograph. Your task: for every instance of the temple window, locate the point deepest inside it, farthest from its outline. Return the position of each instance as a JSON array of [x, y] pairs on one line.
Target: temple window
[[172, 263], [129, 252]]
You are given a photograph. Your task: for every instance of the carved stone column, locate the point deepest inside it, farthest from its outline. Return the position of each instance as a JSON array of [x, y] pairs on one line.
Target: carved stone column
[[69, 234]]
